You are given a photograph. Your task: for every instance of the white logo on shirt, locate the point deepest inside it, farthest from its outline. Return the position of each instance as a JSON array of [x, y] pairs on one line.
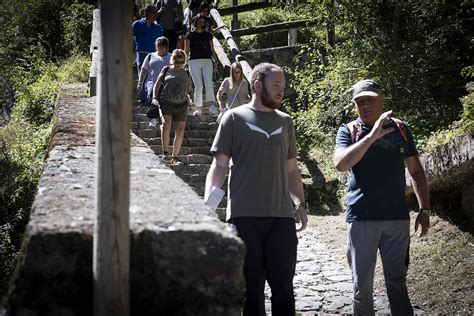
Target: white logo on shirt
[[258, 129]]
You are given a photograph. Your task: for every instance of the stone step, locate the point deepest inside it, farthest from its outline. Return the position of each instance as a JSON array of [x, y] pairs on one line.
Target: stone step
[[142, 118], [197, 168], [187, 141], [184, 150], [190, 126]]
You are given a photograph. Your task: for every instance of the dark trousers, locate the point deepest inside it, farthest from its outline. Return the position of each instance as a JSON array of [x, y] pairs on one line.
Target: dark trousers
[[139, 60], [271, 244], [172, 38]]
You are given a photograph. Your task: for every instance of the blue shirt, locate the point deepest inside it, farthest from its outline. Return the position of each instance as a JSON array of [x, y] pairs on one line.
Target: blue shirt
[[145, 35], [376, 185]]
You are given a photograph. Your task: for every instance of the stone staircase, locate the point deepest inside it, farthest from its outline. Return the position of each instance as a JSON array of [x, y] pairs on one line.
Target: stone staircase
[[195, 150]]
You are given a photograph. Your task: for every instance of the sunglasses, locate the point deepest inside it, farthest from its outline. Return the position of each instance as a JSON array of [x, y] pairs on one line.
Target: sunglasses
[[179, 62]]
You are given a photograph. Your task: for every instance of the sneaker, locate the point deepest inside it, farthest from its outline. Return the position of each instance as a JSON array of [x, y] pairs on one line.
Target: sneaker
[[176, 161], [165, 157], [152, 122], [213, 110], [197, 112]]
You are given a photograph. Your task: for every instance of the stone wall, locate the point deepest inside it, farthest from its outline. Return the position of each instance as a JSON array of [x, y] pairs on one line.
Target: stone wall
[[450, 171], [183, 260]]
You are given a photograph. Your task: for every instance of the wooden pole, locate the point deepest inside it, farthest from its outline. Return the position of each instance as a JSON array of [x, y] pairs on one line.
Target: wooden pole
[[244, 7], [114, 106], [246, 69], [282, 26], [292, 37]]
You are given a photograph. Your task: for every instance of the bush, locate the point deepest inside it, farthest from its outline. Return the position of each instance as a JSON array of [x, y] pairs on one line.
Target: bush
[[77, 24], [22, 151], [23, 144]]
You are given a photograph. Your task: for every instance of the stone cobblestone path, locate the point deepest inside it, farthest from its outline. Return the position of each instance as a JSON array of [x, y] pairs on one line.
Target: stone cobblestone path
[[322, 284]]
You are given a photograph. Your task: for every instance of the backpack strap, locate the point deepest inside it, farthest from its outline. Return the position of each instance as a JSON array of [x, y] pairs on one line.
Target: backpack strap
[[160, 80], [355, 129], [402, 128]]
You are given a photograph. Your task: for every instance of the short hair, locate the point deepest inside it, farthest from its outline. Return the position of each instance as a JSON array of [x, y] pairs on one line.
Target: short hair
[[261, 70], [204, 5], [162, 41], [150, 7], [177, 54]]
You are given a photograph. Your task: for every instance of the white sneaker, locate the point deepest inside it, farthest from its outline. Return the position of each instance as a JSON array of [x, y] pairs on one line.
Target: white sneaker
[[213, 110], [152, 122], [197, 112]]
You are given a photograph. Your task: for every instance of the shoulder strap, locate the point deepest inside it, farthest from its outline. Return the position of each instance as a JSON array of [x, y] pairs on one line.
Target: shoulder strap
[[147, 57], [402, 128], [355, 129]]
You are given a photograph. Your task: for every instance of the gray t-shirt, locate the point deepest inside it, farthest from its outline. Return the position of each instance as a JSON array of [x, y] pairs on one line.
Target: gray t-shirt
[[260, 144], [175, 86]]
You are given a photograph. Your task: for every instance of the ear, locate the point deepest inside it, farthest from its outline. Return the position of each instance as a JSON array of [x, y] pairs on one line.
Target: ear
[[257, 85]]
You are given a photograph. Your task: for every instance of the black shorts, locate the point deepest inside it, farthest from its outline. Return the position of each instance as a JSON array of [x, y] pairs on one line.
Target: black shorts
[[178, 112]]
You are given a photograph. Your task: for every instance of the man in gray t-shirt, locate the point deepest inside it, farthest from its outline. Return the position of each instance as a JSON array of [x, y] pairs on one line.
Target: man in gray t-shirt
[[265, 193]]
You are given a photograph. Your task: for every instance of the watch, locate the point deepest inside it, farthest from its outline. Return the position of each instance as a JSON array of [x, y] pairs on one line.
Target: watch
[[425, 210]]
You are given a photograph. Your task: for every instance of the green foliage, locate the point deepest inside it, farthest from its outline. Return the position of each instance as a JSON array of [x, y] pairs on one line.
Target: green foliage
[[35, 101], [415, 49], [271, 16], [74, 69], [22, 151], [462, 127], [23, 143], [77, 24]]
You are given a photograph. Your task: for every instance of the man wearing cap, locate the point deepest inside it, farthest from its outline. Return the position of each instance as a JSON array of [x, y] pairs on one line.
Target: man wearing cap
[[375, 149]]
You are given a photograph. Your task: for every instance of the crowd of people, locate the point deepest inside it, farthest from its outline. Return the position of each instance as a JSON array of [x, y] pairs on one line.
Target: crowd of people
[[162, 30], [257, 143]]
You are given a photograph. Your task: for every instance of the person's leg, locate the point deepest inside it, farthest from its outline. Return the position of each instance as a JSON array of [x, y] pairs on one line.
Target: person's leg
[[394, 251], [280, 261], [252, 232], [207, 70], [172, 38], [165, 134], [178, 137], [362, 243], [143, 93], [195, 66]]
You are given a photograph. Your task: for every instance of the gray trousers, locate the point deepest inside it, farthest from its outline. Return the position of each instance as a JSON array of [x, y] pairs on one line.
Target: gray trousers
[[392, 238]]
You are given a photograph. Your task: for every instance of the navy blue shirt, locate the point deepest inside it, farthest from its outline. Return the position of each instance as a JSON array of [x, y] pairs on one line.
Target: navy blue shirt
[[145, 35], [376, 185]]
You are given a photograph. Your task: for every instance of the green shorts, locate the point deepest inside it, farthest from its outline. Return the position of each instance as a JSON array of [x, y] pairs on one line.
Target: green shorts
[[178, 112]]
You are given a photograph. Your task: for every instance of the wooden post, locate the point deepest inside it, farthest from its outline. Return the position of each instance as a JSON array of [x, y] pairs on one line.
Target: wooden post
[[292, 37], [114, 107], [246, 69], [235, 23]]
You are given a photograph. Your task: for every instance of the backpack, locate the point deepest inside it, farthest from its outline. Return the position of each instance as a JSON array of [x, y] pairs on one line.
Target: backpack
[[355, 129]]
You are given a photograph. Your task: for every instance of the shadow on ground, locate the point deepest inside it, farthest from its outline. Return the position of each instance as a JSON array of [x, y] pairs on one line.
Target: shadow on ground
[[321, 193]]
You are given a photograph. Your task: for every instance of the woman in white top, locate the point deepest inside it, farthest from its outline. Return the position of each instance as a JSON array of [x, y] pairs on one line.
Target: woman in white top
[[234, 90]]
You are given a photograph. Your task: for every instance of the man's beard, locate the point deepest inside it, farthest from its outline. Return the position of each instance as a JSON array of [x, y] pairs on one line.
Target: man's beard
[[266, 101]]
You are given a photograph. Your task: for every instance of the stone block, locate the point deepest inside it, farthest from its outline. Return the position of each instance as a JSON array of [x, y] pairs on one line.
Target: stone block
[[183, 259]]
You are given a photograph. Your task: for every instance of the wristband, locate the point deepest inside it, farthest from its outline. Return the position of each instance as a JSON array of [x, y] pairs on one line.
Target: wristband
[[301, 204], [425, 210]]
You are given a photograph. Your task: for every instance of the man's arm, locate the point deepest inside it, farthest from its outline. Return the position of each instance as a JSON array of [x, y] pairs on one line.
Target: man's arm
[[297, 193], [420, 187], [216, 175], [346, 158]]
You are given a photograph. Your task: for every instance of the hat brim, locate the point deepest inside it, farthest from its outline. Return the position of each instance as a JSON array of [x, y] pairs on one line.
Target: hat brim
[[365, 94]]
